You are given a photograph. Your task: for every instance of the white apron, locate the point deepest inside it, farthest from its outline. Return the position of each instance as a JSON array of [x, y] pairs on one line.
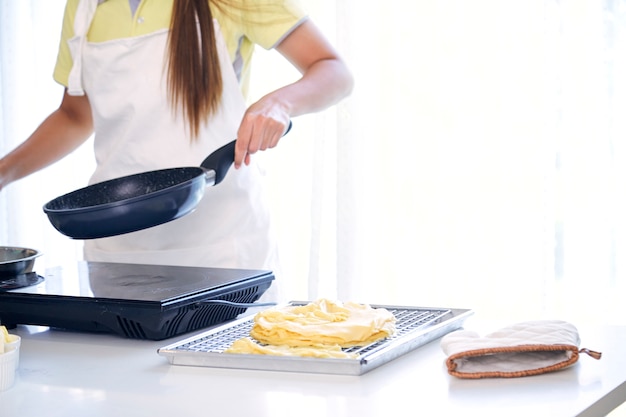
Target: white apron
[[136, 131]]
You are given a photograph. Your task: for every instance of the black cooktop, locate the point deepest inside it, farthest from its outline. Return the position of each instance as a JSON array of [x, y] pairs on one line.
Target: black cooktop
[[136, 301]]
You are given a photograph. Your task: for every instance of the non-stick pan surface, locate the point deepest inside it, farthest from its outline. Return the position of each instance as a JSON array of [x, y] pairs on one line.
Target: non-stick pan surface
[[128, 204], [139, 201]]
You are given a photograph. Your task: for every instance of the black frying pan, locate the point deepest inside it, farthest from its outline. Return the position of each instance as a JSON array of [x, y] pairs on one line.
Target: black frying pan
[[139, 201]]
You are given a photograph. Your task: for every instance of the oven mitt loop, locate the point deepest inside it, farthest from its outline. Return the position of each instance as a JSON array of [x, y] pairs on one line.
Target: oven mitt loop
[[523, 349]]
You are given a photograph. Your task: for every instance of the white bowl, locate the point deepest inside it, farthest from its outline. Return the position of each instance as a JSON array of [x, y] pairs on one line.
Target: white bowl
[[14, 344], [8, 367]]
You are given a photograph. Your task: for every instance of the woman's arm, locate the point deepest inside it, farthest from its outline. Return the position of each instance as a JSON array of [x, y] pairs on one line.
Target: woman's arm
[[61, 133], [325, 81]]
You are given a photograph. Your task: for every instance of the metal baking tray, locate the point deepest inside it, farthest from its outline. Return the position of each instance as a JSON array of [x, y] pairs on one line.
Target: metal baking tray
[[415, 326]]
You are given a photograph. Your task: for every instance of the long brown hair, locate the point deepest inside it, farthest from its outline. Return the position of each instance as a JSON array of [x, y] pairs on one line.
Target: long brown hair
[[194, 78]]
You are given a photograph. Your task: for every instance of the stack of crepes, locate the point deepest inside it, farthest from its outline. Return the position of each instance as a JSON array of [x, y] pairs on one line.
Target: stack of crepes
[[318, 329]]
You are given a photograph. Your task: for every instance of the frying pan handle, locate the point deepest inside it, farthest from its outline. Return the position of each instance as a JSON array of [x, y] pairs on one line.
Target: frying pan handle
[[220, 160]]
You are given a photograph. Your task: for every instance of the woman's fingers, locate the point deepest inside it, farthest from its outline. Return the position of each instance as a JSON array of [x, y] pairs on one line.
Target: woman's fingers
[[257, 134]]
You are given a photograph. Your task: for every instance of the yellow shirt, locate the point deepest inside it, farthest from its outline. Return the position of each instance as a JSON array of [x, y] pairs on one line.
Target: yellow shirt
[[265, 23]]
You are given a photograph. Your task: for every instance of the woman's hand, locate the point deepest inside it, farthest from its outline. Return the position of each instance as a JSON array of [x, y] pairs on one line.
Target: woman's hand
[[325, 81], [263, 124]]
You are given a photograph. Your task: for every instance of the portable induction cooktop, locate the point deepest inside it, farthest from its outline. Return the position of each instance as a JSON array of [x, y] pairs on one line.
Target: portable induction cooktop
[[135, 301]]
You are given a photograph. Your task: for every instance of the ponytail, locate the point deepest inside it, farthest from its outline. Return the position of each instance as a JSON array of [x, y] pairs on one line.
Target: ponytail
[[194, 78]]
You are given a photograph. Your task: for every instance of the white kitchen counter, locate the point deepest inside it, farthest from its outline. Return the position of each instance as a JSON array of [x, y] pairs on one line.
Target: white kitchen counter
[[75, 374]]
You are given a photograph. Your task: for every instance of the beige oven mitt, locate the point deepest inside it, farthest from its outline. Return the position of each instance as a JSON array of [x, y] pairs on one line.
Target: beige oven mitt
[[523, 349]]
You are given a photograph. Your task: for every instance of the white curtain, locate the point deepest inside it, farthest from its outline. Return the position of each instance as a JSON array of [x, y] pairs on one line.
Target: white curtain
[[29, 41], [480, 161]]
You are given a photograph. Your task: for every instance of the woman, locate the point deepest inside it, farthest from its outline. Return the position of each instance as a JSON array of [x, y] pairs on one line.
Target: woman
[[160, 84]]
